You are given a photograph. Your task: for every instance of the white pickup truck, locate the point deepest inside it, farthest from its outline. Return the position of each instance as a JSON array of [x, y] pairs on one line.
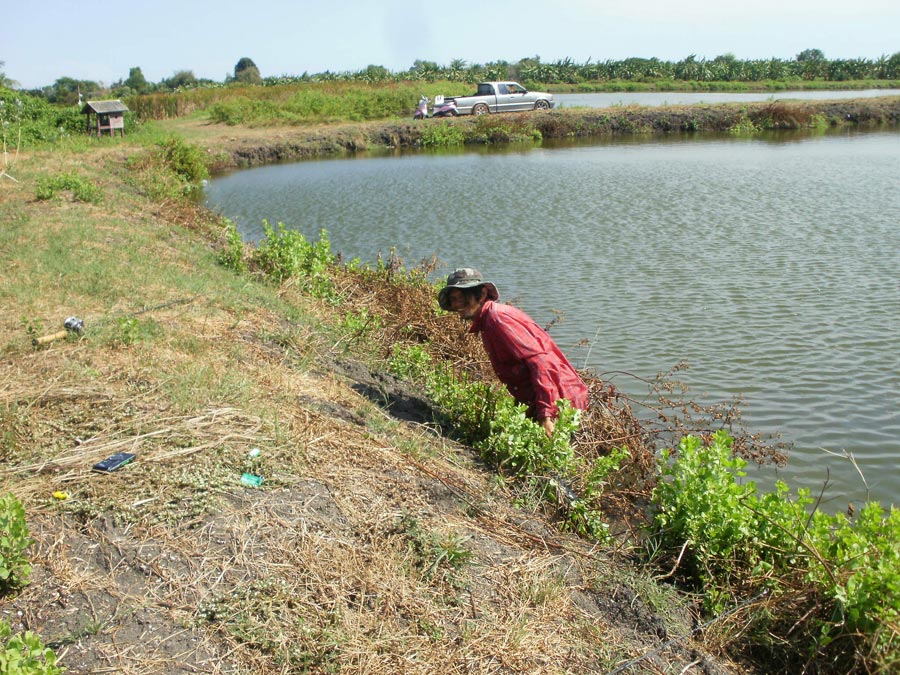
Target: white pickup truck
[[497, 97]]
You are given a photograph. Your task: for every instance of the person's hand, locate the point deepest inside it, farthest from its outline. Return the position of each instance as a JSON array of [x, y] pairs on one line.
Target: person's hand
[[548, 425]]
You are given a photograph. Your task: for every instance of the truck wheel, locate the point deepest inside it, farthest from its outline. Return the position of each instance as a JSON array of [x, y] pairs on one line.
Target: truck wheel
[[480, 109], [541, 105]]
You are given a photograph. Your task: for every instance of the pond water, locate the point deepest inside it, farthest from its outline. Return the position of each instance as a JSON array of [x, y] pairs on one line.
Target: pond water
[[771, 264]]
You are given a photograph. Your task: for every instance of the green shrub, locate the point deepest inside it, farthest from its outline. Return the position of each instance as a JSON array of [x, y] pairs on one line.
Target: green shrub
[[410, 362], [82, 190], [14, 540], [744, 127], [232, 255], [436, 555], [734, 540], [171, 170], [286, 254], [28, 121], [521, 444], [486, 416], [437, 135], [356, 326], [25, 655], [185, 160]]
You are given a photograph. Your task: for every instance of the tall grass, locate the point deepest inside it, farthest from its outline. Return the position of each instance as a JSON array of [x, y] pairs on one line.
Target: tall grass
[[294, 103]]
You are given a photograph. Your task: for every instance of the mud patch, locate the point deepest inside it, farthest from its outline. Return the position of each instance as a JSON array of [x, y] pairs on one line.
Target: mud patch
[[399, 398]]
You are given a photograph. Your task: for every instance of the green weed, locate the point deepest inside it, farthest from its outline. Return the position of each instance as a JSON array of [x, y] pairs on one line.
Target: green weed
[[437, 135], [410, 362], [734, 538], [261, 613], [15, 569], [82, 190], [232, 254], [438, 556], [129, 330], [359, 325], [488, 418], [25, 654], [197, 383], [172, 170], [30, 122], [744, 127], [286, 254]]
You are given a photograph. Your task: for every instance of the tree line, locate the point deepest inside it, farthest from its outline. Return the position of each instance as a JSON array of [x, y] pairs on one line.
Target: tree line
[[808, 65]]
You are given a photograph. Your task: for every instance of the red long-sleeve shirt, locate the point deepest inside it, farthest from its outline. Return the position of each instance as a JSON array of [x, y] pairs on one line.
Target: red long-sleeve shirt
[[527, 360]]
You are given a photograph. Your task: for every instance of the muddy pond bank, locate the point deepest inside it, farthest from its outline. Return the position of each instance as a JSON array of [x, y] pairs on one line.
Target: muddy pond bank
[[235, 147]]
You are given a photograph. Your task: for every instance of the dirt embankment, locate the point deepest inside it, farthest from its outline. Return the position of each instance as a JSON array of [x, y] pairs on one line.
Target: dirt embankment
[[250, 147]]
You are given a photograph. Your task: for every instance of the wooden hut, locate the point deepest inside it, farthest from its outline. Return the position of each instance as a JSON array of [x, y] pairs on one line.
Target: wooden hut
[[105, 116]]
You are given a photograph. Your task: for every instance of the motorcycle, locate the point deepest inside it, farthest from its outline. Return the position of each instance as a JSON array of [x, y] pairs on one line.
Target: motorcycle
[[444, 108], [422, 111]]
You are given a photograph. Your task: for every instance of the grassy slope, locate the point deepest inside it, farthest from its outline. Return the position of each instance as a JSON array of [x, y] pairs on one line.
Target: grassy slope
[[341, 560]]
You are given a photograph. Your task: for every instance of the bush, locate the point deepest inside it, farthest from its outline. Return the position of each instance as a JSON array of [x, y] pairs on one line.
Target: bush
[[82, 190], [186, 160], [14, 540], [286, 254], [25, 655], [31, 121], [232, 254], [487, 417], [735, 541], [173, 170], [437, 135]]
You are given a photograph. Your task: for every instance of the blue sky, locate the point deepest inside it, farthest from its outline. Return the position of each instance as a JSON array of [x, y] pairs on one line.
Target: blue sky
[[101, 41]]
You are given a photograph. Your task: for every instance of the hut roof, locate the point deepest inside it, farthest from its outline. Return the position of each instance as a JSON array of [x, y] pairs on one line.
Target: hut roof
[[104, 107]]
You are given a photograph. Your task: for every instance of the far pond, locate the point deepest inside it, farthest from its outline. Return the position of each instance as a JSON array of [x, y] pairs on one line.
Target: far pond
[[771, 264]]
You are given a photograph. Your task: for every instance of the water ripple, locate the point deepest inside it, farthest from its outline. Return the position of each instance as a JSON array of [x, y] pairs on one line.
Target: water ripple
[[771, 266]]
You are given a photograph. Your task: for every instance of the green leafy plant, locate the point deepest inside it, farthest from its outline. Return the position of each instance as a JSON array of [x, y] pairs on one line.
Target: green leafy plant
[[744, 127], [488, 417], [585, 516], [129, 330], [172, 169], [25, 654], [33, 326], [435, 554], [10, 115], [517, 442], [286, 254], [442, 135], [185, 160], [82, 190], [29, 121], [232, 254], [360, 324], [735, 540], [411, 362], [14, 540]]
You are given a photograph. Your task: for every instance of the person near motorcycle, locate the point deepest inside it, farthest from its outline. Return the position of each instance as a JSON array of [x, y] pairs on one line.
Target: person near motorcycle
[[523, 355]]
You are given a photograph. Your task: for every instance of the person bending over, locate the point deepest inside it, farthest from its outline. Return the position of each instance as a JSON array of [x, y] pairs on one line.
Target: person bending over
[[523, 355]]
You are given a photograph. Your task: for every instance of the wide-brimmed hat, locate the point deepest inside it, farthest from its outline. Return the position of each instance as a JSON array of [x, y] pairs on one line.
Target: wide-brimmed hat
[[465, 277]]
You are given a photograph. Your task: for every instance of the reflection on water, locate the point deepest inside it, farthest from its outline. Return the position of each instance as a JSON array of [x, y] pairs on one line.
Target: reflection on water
[[770, 264]]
